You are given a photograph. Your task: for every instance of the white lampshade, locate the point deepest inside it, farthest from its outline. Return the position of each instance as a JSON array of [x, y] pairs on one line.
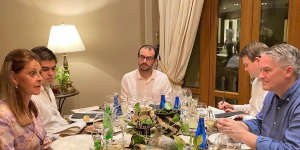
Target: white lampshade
[[64, 39]]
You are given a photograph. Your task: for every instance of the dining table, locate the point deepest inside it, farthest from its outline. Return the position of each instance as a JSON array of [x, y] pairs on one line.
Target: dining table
[[85, 139]]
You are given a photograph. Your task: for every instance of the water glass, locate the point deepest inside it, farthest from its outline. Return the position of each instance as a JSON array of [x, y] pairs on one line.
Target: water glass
[[145, 101], [202, 110], [98, 142]]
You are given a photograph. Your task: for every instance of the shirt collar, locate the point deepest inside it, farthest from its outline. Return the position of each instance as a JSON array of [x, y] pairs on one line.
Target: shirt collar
[[152, 77], [291, 90]]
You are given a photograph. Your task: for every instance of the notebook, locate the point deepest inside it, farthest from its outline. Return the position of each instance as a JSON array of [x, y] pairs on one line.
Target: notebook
[[228, 114]]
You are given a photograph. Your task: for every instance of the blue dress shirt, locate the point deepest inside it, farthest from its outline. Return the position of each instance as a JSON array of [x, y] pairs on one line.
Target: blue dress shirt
[[278, 123]]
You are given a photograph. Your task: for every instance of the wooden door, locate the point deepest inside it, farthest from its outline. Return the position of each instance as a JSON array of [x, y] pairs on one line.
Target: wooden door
[[216, 80]]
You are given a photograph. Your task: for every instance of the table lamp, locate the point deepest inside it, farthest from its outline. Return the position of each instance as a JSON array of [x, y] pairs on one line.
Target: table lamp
[[64, 39]]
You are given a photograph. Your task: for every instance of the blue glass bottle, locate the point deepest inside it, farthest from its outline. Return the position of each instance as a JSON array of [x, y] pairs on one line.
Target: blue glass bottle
[[162, 101], [201, 132], [117, 106], [177, 106], [177, 103]]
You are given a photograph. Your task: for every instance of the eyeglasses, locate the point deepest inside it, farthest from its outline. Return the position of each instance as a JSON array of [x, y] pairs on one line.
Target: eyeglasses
[[148, 58]]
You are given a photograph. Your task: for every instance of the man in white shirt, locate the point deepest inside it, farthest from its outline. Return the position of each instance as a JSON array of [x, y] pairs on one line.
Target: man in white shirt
[[145, 83], [250, 56], [45, 101]]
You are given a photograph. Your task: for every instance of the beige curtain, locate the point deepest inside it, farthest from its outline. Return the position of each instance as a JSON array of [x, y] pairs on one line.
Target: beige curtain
[[179, 21]]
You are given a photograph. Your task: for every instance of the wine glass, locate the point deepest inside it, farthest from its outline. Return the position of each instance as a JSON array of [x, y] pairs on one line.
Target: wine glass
[[123, 120], [131, 101], [188, 93], [96, 125], [145, 101]]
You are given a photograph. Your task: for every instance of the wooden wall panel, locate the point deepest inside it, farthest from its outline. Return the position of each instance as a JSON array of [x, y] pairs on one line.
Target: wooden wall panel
[[246, 37], [294, 23], [212, 49], [204, 51]]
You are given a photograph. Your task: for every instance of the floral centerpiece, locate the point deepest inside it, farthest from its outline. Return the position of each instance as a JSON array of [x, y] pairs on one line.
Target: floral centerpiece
[[148, 126]]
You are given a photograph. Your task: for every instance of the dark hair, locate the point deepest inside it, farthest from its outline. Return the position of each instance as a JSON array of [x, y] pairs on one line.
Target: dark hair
[[149, 47], [253, 50], [44, 53]]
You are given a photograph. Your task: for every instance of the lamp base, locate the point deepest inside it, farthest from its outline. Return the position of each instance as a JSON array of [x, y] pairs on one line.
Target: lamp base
[[65, 63]]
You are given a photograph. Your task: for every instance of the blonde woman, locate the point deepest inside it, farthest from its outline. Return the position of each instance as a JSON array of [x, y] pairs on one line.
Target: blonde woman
[[20, 127]]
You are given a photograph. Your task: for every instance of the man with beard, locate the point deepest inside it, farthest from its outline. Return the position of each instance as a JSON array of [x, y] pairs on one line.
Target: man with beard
[[145, 83]]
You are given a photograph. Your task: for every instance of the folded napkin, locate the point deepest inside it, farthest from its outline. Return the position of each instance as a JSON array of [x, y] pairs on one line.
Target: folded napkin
[[69, 129], [86, 109]]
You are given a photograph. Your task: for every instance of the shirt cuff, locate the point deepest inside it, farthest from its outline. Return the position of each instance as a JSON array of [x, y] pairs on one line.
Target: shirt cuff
[[252, 125], [263, 143], [245, 108]]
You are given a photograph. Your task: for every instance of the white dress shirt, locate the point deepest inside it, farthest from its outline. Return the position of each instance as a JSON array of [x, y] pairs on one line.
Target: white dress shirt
[[48, 112], [256, 101], [133, 85]]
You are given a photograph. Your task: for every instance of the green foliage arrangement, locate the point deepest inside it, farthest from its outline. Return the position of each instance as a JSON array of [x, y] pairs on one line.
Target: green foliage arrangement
[[62, 76]]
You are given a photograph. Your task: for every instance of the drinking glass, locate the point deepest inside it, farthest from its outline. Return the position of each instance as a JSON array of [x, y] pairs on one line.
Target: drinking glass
[[193, 118], [108, 123], [122, 120], [202, 110], [131, 101], [145, 101], [210, 122], [98, 141], [188, 93], [96, 125], [186, 100]]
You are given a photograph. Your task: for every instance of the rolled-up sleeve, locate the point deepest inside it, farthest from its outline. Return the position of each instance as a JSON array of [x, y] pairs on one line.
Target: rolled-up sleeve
[[291, 140], [254, 126]]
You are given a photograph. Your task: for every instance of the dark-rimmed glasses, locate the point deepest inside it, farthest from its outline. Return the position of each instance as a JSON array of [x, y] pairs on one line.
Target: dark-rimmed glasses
[[148, 58]]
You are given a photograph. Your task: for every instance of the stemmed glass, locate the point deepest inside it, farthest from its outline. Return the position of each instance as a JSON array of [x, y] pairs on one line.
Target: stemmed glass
[[108, 121], [188, 93], [145, 101], [122, 120], [185, 102]]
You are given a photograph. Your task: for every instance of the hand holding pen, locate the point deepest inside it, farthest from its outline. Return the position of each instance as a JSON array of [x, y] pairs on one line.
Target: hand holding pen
[[223, 105]]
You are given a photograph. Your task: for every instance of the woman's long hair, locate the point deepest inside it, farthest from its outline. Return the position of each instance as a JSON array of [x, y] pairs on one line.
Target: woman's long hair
[[15, 61]]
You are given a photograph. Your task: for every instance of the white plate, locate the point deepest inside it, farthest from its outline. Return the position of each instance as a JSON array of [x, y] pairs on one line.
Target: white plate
[[76, 142], [91, 119]]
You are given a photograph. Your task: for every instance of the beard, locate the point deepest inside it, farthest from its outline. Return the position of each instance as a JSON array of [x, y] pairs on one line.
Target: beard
[[145, 67]]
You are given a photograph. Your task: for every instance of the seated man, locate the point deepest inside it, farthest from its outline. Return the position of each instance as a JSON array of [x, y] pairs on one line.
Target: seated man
[[250, 56], [145, 82], [45, 101], [277, 125]]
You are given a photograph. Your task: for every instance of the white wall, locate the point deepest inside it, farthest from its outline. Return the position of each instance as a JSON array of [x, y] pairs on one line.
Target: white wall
[[110, 29]]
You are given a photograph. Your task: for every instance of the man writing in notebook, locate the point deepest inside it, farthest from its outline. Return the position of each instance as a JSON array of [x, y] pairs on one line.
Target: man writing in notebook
[[250, 56]]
